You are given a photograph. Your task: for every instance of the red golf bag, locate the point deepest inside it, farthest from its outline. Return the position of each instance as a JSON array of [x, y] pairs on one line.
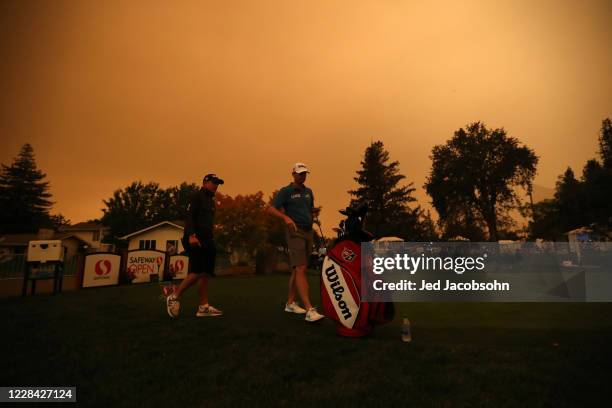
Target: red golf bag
[[341, 282]]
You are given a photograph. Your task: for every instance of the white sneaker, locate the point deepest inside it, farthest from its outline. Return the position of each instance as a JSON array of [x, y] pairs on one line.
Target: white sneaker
[[173, 306], [294, 308], [208, 311], [313, 316]]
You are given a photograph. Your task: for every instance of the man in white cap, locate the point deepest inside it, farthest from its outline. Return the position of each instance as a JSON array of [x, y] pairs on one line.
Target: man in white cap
[[297, 201]]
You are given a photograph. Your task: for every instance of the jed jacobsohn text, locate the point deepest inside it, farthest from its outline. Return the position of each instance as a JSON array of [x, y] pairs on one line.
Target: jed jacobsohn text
[[412, 264], [448, 285], [404, 263]]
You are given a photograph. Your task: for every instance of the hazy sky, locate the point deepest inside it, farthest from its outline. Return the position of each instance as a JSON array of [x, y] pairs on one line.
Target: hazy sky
[[112, 92]]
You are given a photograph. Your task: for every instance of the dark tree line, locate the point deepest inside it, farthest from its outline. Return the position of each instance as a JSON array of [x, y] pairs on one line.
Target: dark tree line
[[474, 183], [579, 202], [141, 205]]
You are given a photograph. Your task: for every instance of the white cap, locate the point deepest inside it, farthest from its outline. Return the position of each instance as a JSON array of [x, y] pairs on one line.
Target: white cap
[[300, 168]]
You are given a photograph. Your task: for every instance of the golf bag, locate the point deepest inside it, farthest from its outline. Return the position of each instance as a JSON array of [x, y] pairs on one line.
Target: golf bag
[[341, 281]]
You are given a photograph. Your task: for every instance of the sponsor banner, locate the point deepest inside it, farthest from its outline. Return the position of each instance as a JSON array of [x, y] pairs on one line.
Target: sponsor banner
[[178, 266], [101, 270], [142, 264], [505, 271], [339, 293]]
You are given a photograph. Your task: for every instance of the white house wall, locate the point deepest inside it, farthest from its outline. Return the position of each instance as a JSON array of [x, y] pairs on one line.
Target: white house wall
[[87, 236], [160, 235]]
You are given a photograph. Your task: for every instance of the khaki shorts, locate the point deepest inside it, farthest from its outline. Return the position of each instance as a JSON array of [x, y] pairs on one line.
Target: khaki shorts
[[300, 246]]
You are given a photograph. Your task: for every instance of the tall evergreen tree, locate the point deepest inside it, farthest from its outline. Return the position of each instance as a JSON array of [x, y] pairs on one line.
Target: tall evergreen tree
[[379, 188], [569, 196], [24, 195], [605, 143]]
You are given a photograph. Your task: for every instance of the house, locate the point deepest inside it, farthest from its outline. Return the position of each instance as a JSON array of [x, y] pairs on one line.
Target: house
[[12, 245], [92, 232], [164, 236], [580, 235]]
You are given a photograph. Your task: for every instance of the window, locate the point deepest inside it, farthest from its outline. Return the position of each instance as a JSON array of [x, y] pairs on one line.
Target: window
[[147, 244], [96, 236], [172, 247]]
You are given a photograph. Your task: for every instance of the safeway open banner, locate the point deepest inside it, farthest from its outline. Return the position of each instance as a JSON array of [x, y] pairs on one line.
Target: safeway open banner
[[101, 270], [142, 264], [178, 266]]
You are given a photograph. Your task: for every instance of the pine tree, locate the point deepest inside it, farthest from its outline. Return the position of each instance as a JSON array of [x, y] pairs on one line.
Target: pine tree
[[24, 196], [389, 213], [605, 143]]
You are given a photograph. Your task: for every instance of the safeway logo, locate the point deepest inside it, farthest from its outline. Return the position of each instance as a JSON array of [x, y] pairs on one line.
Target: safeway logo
[[103, 267], [348, 255], [179, 265]]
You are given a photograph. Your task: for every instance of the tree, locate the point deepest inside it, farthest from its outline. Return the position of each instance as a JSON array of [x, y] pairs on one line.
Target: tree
[[579, 203], [141, 205], [172, 203], [597, 195], [545, 222], [569, 198], [389, 212], [24, 195], [58, 220], [605, 143], [597, 180], [240, 224], [474, 176], [132, 208]]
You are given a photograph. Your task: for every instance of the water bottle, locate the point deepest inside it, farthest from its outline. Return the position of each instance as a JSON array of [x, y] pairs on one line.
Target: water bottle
[[406, 334]]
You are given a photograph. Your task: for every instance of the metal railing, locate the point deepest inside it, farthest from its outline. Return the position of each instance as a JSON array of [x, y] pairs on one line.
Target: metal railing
[[13, 266]]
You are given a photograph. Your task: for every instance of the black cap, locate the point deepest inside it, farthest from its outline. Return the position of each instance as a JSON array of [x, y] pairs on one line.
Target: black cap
[[213, 177]]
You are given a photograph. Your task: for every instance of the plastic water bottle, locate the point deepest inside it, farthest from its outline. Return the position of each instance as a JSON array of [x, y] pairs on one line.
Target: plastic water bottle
[[406, 334]]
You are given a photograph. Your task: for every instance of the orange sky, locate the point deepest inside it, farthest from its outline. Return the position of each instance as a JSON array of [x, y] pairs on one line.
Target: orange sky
[[111, 92]]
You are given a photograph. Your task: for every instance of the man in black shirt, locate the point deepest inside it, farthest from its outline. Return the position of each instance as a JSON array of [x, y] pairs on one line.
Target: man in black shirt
[[200, 246]]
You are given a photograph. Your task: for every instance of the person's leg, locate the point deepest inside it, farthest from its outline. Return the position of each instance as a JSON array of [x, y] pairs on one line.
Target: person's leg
[[292, 287], [204, 308], [186, 283], [195, 269], [301, 282], [173, 302], [203, 290], [295, 245], [302, 256]]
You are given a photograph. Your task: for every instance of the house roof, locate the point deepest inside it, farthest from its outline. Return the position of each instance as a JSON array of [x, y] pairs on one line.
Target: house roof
[[13, 240], [70, 236], [172, 224], [17, 239], [581, 230], [84, 226]]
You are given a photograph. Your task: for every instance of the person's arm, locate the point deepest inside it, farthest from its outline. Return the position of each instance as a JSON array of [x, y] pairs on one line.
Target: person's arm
[[274, 210], [190, 220], [314, 210]]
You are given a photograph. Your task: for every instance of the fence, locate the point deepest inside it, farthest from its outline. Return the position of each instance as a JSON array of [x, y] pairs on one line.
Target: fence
[[13, 266]]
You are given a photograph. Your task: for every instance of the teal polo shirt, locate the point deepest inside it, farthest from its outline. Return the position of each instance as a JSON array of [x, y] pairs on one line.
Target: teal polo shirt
[[298, 204]]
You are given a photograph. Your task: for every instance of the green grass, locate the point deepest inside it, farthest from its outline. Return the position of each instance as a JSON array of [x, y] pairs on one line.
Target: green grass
[[118, 346]]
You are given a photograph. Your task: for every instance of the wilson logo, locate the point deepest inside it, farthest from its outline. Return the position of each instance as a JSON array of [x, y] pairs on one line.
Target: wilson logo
[[339, 293]]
